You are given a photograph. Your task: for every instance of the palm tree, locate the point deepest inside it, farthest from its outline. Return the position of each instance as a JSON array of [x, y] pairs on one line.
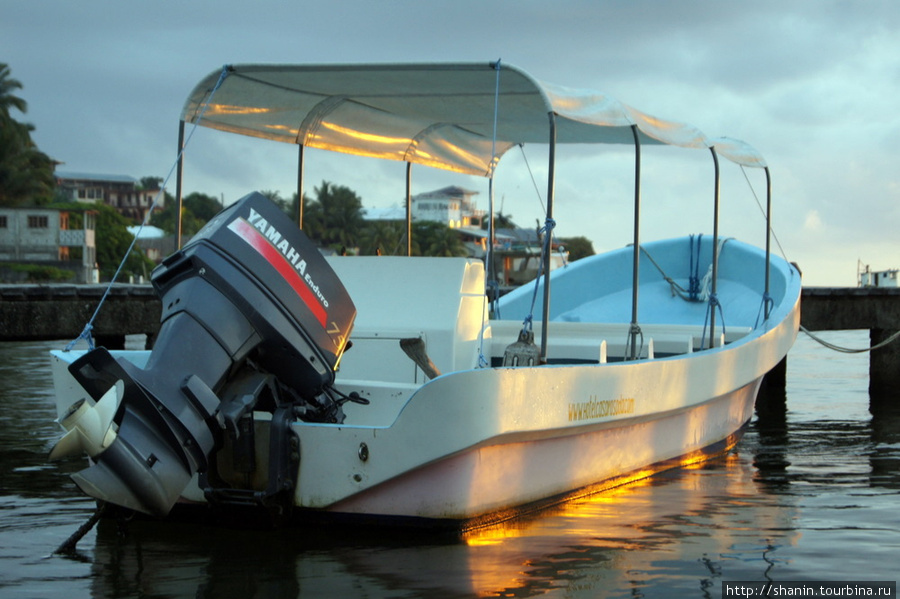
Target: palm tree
[[7, 99], [335, 217], [26, 173], [383, 237], [436, 239]]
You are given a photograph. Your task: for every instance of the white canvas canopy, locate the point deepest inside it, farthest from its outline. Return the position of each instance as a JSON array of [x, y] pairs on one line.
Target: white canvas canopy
[[440, 115], [457, 117]]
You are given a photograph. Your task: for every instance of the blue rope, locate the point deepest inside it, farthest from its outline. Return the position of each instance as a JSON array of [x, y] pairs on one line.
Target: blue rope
[[694, 278], [547, 230], [86, 332], [767, 301], [711, 306]]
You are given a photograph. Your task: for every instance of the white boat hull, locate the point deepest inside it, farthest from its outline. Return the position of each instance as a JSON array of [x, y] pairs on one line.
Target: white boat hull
[[477, 444], [493, 481]]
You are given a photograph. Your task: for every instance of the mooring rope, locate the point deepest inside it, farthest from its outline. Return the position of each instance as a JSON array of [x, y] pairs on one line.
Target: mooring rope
[[68, 546], [848, 350], [89, 327], [676, 288]]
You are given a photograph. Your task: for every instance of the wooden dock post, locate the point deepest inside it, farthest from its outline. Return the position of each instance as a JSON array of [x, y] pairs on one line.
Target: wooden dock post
[[884, 364], [874, 308]]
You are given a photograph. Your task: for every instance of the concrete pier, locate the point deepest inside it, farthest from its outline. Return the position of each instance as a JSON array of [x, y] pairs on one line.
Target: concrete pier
[[35, 312], [874, 308], [45, 312]]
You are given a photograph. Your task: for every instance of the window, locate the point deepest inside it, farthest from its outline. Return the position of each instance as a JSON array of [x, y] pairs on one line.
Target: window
[[37, 222], [3, 222]]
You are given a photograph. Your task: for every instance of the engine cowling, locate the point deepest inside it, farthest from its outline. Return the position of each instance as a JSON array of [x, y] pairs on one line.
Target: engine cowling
[[249, 293]]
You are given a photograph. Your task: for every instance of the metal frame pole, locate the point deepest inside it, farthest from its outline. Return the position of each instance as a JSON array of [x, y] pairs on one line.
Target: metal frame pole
[[300, 167], [635, 275], [409, 208], [179, 175], [715, 254], [551, 187], [768, 236]]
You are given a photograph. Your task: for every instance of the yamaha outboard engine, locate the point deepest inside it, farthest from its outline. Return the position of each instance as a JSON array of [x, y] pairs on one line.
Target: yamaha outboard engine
[[253, 318]]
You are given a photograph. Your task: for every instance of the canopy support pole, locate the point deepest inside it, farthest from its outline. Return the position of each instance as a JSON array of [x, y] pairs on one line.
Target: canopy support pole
[[713, 297], [492, 290], [300, 166], [635, 329], [768, 238], [551, 186], [409, 208], [179, 174]]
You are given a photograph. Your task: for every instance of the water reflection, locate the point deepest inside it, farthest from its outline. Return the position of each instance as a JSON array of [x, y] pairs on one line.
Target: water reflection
[[819, 472], [884, 458], [685, 529]]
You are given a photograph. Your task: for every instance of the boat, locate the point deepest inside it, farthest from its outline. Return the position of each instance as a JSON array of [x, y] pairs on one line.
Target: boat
[[406, 390]]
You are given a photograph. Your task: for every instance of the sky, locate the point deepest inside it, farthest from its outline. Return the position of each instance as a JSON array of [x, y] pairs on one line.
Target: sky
[[812, 84]]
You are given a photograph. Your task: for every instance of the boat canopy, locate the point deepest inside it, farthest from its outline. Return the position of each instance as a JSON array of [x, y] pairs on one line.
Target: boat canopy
[[457, 117]]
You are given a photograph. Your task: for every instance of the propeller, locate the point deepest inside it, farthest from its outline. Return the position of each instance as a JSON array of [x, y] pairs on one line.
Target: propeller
[[89, 427]]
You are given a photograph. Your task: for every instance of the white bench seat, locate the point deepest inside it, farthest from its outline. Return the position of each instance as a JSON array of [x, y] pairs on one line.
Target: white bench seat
[[601, 342]]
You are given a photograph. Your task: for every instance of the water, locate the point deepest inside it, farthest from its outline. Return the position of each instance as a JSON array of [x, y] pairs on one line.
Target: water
[[810, 494]]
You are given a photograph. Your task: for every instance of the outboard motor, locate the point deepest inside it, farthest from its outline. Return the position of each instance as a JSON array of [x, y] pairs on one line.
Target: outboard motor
[[253, 318]]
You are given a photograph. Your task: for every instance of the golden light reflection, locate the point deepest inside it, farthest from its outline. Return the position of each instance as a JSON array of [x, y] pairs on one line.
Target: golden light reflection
[[613, 492], [461, 153], [233, 109], [618, 525], [320, 142], [369, 137], [518, 522], [283, 128]]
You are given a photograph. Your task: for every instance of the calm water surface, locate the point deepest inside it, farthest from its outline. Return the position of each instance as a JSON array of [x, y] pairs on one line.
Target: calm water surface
[[813, 493]]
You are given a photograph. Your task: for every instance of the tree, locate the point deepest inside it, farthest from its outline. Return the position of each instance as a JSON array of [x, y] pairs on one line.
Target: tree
[[384, 237], [501, 221], [151, 182], [113, 241], [289, 207], [436, 239], [167, 218], [26, 173], [335, 217], [7, 98], [203, 207], [578, 247]]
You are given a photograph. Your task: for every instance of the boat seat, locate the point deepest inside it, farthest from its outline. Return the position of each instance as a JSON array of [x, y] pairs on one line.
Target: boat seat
[[377, 356], [440, 300], [587, 342]]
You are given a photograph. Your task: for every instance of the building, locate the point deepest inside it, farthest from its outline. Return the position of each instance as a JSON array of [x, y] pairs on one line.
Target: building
[[156, 243], [452, 206], [43, 236], [877, 278], [119, 191]]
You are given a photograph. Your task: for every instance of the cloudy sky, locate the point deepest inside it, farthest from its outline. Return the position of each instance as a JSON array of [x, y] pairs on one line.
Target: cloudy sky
[[812, 84]]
